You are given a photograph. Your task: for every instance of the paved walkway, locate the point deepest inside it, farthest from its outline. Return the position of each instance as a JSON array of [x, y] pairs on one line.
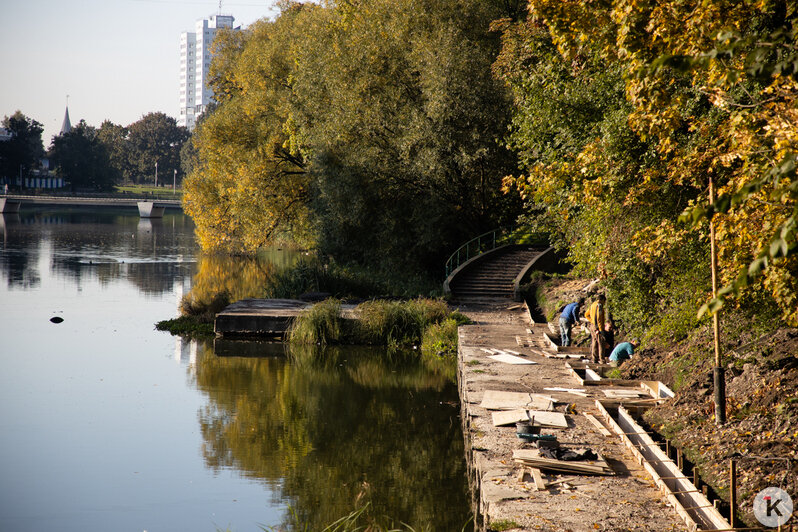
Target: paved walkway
[[628, 500]]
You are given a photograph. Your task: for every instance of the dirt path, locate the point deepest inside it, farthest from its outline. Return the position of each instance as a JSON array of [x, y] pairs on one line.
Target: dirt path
[[627, 500]]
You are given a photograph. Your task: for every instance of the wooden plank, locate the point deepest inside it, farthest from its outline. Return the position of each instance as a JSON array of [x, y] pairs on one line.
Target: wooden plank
[[510, 359], [541, 418], [623, 393], [575, 391], [540, 484], [601, 428], [532, 458], [500, 400]]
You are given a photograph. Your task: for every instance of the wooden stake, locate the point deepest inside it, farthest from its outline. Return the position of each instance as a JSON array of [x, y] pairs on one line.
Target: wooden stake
[[732, 491], [719, 377]]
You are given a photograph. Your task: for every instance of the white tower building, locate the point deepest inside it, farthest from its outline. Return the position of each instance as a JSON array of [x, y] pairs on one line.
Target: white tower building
[[195, 59]]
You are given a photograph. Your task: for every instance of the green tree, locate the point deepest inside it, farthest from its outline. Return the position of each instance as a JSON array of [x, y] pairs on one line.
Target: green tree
[[377, 126], [82, 160], [155, 138], [402, 126], [114, 139], [22, 152]]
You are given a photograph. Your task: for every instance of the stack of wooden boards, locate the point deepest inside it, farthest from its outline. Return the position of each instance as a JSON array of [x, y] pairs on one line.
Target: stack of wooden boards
[[532, 458]]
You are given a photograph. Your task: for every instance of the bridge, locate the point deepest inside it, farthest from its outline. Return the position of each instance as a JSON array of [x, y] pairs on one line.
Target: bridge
[[148, 207], [489, 268]]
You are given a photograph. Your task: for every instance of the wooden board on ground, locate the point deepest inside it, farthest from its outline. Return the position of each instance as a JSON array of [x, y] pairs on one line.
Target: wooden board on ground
[[540, 484], [599, 426], [507, 358], [499, 400], [540, 418], [575, 391], [624, 393], [533, 458], [525, 342]]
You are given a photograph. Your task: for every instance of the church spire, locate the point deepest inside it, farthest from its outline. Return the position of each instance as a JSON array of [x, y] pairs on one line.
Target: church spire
[[66, 127]]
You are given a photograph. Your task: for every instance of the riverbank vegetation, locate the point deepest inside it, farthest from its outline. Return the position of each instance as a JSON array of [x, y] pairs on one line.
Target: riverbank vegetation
[[424, 323]]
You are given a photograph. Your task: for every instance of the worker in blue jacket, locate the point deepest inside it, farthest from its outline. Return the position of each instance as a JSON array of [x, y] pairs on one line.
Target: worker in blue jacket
[[569, 316]]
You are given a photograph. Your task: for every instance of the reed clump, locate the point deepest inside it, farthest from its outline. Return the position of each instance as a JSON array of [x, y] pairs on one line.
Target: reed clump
[[377, 322], [204, 309], [320, 325]]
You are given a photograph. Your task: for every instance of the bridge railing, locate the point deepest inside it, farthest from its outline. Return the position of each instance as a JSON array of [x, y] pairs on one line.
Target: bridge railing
[[491, 240]]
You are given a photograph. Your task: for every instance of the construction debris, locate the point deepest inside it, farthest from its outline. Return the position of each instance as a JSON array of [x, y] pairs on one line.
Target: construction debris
[[533, 458]]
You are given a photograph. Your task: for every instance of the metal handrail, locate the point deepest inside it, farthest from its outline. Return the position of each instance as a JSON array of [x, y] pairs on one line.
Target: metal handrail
[[463, 253], [492, 240]]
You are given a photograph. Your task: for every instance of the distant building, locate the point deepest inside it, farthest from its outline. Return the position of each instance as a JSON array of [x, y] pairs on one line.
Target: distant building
[[66, 126], [195, 59]]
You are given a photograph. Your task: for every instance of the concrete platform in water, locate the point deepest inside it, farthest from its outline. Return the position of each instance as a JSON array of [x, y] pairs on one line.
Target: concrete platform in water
[[263, 317]]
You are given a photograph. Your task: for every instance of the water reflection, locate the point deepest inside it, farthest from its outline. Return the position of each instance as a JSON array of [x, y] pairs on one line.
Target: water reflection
[[92, 244], [241, 277], [334, 432]]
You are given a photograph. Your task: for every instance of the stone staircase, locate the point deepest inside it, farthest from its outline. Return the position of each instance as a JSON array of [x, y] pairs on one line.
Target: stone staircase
[[492, 277]]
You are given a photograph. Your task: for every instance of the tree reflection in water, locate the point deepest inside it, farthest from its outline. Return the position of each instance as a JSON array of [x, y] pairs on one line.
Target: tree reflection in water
[[335, 430]]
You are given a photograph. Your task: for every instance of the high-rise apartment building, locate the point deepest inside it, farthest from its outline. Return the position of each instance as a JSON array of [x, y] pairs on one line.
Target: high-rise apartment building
[[195, 59]]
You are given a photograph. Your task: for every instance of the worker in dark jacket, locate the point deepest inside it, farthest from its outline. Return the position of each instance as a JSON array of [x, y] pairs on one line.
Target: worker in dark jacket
[[569, 316]]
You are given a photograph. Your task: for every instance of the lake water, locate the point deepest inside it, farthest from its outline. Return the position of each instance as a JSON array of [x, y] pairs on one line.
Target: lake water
[[107, 424]]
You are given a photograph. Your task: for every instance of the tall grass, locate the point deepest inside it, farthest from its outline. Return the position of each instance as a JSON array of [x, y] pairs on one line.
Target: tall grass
[[378, 322], [320, 325], [397, 322]]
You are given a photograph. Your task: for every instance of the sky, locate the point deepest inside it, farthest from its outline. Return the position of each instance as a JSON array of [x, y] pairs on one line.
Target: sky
[[115, 59]]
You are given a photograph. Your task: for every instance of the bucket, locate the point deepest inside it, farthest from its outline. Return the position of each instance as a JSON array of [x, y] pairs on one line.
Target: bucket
[[526, 427]]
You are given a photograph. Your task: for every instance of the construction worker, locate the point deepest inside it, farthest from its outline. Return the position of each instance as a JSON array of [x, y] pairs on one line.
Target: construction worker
[[569, 316], [596, 321]]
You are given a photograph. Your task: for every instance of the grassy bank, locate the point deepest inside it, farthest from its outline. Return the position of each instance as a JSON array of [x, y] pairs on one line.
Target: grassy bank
[[384, 320], [378, 322], [196, 316]]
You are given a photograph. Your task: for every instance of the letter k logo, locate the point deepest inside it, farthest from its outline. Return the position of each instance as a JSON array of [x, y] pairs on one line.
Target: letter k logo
[[772, 506]]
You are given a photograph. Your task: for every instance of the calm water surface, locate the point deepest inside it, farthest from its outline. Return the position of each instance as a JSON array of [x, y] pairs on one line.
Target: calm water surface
[[107, 424]]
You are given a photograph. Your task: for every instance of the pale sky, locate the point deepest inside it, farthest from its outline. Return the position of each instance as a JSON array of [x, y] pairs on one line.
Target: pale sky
[[116, 59]]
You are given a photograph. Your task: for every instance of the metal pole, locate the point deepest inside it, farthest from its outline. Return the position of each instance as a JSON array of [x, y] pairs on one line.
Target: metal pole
[[156, 174], [174, 182], [718, 374]]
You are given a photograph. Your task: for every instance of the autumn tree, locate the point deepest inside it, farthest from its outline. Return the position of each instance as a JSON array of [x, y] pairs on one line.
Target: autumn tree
[[249, 187], [700, 91]]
